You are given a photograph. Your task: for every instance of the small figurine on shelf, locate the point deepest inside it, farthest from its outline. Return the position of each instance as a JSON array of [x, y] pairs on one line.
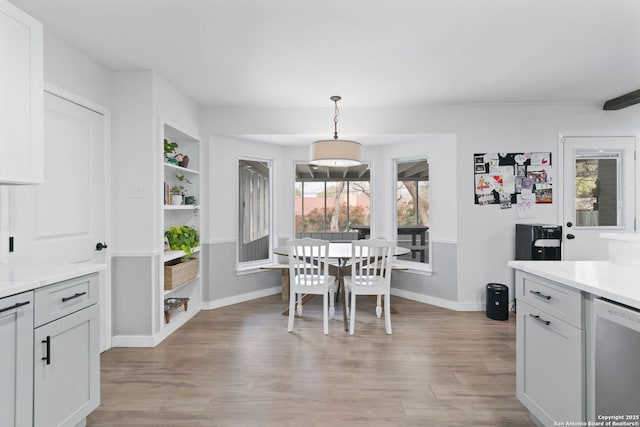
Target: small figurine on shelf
[[184, 162]]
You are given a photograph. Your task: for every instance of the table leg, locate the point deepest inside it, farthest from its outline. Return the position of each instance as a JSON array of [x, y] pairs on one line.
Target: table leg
[[285, 284], [305, 299]]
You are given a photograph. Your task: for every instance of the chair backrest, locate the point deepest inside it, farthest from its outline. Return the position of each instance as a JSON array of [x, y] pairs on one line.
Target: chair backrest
[[308, 261], [371, 259]]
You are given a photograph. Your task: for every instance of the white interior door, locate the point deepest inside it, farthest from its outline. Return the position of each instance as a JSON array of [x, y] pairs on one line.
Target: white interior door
[[599, 193], [62, 220]]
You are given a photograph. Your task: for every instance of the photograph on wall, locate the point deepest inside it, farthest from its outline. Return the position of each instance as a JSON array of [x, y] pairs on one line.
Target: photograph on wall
[[501, 176]]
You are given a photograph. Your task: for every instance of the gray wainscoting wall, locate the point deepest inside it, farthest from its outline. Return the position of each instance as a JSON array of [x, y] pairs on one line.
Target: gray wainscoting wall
[[132, 279], [222, 281], [442, 283]]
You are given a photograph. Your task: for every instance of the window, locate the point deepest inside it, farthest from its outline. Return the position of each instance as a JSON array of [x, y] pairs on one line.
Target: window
[[255, 208], [597, 189], [412, 209], [331, 200]]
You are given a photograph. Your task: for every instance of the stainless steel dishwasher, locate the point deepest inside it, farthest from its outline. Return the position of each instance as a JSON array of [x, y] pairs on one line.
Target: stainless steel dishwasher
[[617, 361]]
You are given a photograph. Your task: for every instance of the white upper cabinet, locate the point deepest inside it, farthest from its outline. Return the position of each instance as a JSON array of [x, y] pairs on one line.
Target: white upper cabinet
[[21, 97]]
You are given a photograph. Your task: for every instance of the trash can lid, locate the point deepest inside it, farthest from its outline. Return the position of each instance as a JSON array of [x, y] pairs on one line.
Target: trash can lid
[[496, 286]]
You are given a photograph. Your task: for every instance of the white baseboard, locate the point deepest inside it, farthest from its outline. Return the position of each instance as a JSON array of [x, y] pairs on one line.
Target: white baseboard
[[210, 305], [133, 341], [426, 299]]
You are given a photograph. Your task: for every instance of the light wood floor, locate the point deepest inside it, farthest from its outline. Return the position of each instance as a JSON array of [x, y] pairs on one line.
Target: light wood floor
[[238, 366]]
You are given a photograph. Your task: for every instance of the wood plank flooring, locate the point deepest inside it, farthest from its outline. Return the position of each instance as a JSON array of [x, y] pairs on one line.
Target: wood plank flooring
[[238, 366]]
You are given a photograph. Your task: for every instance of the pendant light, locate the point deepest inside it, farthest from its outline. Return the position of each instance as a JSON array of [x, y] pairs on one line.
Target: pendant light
[[335, 152]]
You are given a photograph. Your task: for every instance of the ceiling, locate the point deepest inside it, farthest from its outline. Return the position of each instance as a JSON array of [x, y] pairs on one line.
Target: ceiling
[[293, 53]]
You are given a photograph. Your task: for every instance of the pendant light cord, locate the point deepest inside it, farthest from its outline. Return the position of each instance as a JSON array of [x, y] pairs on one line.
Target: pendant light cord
[[335, 117]]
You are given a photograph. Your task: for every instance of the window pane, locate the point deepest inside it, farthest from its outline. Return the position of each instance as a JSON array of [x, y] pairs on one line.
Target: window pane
[[313, 204], [328, 200], [412, 209], [359, 203], [254, 208], [597, 191], [336, 206]]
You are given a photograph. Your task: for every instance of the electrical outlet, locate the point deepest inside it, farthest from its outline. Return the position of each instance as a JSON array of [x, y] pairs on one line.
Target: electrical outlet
[[135, 192]]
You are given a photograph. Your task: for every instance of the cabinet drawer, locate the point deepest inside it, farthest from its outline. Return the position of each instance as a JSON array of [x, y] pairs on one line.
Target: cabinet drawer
[[58, 300], [549, 366], [554, 298]]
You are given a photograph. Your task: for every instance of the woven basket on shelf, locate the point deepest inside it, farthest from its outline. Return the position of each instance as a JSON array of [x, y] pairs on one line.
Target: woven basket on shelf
[[178, 272]]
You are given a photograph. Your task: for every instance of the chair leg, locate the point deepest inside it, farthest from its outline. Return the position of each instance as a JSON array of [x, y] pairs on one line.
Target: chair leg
[[332, 304], [387, 312], [346, 301], [325, 313], [292, 311], [378, 306], [299, 308], [352, 320]]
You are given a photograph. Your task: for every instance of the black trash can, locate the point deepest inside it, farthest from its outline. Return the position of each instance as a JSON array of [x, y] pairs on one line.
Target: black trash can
[[497, 301]]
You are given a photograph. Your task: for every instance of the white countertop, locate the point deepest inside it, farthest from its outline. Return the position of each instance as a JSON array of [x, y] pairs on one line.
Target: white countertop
[[617, 282], [15, 279]]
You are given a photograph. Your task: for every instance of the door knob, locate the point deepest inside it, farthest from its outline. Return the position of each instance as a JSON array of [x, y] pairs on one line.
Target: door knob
[[100, 246], [569, 224], [570, 236]]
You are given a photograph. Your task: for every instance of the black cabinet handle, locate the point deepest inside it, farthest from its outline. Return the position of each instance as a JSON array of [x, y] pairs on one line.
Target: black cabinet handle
[[571, 236], [48, 354], [539, 319], [14, 306], [79, 294], [539, 295], [100, 246]]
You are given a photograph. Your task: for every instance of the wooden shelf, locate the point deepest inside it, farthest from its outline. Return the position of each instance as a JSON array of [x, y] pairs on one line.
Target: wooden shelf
[[180, 168], [171, 255], [170, 291], [181, 207]]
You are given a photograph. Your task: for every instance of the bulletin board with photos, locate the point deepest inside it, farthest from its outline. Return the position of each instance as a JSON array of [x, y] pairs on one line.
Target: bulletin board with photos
[[506, 178]]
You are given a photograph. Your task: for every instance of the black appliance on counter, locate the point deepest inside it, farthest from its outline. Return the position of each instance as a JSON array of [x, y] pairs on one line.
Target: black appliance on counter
[[538, 242]]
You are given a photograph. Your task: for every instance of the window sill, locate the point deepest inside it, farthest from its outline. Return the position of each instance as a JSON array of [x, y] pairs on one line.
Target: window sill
[[253, 267], [414, 268]]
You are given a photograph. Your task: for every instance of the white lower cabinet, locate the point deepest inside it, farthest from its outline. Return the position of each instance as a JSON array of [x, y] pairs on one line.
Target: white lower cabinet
[[66, 369], [550, 352], [16, 360], [50, 354], [66, 379]]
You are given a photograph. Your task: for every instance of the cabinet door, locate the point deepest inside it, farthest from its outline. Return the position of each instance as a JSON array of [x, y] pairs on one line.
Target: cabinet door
[[21, 97], [67, 369], [549, 365], [16, 360]]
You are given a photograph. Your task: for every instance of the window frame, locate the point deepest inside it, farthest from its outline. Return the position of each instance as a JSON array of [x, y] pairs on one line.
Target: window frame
[[416, 266], [248, 266]]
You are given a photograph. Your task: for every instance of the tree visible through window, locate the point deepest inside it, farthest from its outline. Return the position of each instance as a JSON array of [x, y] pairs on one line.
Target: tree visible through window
[[331, 199]]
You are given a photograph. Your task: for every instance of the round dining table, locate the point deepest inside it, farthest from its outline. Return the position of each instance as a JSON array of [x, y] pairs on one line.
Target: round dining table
[[342, 253]]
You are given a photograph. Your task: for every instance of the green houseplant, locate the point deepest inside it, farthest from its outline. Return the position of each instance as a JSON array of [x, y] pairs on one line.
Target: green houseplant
[[183, 238]]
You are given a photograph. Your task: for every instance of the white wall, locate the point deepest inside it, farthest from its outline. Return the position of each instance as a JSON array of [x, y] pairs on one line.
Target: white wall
[[484, 234], [76, 72]]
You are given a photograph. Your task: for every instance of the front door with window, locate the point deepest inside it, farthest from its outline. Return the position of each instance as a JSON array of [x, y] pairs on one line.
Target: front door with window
[[599, 189]]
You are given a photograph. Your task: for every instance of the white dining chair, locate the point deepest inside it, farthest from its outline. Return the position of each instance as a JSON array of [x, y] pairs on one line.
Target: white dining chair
[[309, 274], [371, 262]]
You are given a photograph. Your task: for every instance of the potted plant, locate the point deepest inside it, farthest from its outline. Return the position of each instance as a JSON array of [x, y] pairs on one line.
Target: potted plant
[[169, 149], [180, 189], [176, 194], [183, 238]]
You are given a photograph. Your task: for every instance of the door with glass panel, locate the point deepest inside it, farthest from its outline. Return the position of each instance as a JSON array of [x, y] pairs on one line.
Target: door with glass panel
[[599, 193]]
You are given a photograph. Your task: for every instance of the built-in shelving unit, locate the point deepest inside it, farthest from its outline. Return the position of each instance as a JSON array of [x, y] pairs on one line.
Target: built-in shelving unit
[[177, 214]]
